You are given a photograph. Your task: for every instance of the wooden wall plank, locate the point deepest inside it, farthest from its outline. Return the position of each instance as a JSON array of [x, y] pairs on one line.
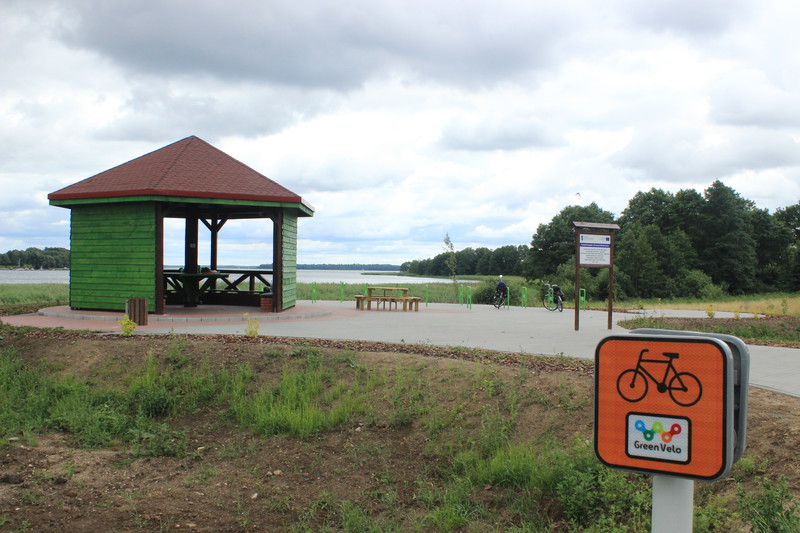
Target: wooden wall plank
[[112, 255], [289, 246]]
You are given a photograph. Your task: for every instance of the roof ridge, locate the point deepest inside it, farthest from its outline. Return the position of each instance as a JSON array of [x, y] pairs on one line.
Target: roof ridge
[[167, 168]]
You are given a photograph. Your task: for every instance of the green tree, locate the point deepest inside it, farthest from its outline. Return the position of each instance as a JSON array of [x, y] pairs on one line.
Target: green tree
[[505, 260], [790, 218], [58, 257], [689, 205], [554, 243], [483, 264], [728, 251], [655, 207], [466, 261], [451, 260], [674, 250], [35, 258], [638, 271], [773, 242]]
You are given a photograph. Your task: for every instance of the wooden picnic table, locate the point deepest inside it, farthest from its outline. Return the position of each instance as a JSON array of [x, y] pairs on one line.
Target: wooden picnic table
[[190, 285], [387, 291], [387, 295]]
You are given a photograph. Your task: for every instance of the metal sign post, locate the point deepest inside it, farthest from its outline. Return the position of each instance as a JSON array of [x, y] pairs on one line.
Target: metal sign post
[[673, 504], [673, 404]]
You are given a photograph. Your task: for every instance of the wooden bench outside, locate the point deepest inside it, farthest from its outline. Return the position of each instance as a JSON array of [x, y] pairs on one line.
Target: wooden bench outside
[[412, 301]]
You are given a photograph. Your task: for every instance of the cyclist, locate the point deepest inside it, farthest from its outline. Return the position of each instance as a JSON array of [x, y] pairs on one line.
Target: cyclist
[[502, 288], [500, 293], [558, 293]]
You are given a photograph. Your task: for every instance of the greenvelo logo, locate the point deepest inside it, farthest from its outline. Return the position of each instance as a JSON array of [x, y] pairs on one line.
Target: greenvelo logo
[[649, 438]]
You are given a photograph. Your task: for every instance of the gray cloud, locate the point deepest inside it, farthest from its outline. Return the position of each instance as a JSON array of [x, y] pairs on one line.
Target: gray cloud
[[683, 155], [748, 98], [159, 111], [499, 133], [708, 18], [320, 44], [401, 120]]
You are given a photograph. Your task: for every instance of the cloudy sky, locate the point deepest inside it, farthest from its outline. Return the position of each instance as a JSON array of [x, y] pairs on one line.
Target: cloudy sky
[[403, 121]]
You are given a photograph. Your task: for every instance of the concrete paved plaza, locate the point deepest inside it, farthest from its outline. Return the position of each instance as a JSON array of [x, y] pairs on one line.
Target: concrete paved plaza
[[532, 330]]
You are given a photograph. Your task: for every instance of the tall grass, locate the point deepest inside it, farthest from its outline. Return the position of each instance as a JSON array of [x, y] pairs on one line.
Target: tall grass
[[481, 289], [780, 330], [32, 401], [26, 293], [431, 292], [304, 402], [765, 304], [478, 472]]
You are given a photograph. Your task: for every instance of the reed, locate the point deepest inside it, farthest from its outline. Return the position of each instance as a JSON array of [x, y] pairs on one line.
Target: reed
[[431, 292], [27, 293], [772, 304]]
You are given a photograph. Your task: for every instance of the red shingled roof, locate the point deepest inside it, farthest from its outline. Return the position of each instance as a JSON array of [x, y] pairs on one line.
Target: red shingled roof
[[188, 168]]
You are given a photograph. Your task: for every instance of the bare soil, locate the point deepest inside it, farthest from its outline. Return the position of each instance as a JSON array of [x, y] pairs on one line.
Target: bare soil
[[234, 480]]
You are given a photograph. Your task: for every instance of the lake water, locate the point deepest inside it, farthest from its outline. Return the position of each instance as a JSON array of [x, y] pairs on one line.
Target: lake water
[[303, 276]]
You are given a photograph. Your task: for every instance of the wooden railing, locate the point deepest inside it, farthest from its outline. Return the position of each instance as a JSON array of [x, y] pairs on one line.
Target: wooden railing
[[236, 287]]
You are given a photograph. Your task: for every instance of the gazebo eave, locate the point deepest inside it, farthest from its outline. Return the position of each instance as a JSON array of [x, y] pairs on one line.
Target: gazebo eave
[[229, 204]]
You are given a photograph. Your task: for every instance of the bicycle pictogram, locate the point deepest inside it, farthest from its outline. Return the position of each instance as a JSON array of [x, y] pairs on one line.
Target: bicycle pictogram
[[684, 388]]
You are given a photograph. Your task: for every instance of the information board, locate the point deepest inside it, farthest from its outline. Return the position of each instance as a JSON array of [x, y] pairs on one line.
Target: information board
[[595, 250], [664, 404]]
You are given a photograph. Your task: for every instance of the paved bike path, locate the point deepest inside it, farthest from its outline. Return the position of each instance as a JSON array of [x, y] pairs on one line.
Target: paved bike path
[[530, 330]]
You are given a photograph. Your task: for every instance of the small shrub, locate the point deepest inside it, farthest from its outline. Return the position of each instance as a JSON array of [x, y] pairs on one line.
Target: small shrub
[[743, 469], [272, 353], [710, 311], [252, 327], [771, 509], [128, 326], [175, 349], [591, 493], [150, 394], [157, 440]]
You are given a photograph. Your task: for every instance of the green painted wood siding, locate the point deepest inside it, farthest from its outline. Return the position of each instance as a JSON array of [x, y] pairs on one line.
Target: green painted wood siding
[[289, 260], [113, 255]]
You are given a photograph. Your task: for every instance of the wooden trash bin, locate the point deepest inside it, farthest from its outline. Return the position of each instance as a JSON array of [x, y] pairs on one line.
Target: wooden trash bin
[[136, 309]]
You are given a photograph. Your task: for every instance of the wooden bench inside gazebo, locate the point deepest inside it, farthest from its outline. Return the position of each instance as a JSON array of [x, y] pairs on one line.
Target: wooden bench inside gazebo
[[117, 231]]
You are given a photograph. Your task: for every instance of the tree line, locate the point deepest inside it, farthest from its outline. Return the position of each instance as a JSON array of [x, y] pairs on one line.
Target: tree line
[[685, 244], [482, 261], [377, 267], [36, 258]]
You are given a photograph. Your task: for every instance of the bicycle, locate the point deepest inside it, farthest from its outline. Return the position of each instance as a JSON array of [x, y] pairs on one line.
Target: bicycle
[[554, 298], [499, 299], [684, 388]]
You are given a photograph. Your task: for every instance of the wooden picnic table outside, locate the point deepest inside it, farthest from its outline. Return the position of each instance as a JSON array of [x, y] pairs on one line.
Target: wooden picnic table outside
[[192, 284], [387, 291], [384, 295], [236, 285]]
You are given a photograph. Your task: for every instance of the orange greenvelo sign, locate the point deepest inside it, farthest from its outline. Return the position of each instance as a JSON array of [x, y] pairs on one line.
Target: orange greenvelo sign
[[664, 404]]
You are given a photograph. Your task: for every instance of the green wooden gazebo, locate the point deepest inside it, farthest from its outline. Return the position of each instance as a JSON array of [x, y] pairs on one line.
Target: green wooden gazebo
[[117, 231]]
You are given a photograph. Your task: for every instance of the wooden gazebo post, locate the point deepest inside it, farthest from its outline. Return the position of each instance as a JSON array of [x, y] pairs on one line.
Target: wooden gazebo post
[[214, 225]]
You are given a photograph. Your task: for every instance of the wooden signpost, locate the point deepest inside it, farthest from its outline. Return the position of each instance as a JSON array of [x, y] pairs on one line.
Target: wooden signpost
[[594, 248]]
